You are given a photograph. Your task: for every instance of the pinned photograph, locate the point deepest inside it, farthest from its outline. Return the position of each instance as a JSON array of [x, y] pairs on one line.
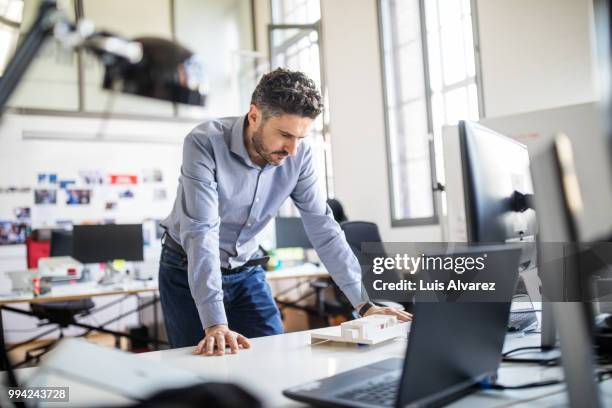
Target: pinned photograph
[[42, 178], [126, 194], [152, 176], [90, 177], [22, 213], [110, 205], [45, 196], [123, 178], [12, 233], [52, 178], [64, 224], [78, 197], [64, 184]]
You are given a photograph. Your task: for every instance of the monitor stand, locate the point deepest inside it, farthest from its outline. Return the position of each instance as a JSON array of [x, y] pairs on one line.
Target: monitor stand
[[547, 351]]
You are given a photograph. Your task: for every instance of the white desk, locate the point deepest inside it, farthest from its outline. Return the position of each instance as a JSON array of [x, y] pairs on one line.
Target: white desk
[[92, 289], [304, 271], [81, 290], [278, 362]]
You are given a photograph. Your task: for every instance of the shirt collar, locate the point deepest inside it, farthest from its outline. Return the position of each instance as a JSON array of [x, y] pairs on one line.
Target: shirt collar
[[237, 139], [237, 142]]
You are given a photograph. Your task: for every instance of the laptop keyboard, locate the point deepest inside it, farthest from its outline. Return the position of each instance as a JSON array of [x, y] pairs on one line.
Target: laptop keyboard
[[378, 391]]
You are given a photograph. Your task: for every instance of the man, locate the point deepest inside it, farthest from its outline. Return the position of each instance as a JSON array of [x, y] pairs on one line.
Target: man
[[236, 173]]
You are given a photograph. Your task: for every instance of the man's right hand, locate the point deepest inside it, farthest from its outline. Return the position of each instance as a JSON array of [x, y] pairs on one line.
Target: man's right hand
[[217, 338]]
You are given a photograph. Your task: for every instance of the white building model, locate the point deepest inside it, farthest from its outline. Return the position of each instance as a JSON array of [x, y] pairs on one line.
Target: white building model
[[366, 330]]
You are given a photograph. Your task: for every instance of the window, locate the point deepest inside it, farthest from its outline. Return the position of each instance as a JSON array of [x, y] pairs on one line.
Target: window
[[430, 80], [294, 44], [11, 13]]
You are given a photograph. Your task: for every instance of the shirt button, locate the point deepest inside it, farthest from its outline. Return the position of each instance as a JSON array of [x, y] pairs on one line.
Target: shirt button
[[256, 199], [237, 244], [248, 224]]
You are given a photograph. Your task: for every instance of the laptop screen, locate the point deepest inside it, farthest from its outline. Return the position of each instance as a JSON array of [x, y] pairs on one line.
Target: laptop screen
[[453, 346]]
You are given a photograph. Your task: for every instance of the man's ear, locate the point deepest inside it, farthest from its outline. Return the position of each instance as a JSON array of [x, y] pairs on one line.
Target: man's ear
[[254, 116]]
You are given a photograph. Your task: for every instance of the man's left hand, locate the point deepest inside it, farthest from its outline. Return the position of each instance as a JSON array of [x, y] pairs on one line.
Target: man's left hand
[[400, 314]]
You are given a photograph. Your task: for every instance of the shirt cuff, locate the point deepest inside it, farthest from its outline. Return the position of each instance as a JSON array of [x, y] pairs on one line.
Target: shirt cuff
[[212, 313], [355, 294]]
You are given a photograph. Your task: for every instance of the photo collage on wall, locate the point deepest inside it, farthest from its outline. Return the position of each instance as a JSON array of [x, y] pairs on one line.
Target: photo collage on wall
[[53, 195]]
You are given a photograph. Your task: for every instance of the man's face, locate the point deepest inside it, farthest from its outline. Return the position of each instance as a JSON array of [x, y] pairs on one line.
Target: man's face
[[279, 136]]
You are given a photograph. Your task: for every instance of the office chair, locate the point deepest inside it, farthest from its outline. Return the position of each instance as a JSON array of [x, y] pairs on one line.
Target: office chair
[[43, 243], [335, 303], [328, 304], [337, 210], [358, 232]]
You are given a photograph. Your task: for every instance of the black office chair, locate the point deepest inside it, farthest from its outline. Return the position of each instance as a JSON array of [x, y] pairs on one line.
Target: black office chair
[[358, 232], [337, 210], [62, 314]]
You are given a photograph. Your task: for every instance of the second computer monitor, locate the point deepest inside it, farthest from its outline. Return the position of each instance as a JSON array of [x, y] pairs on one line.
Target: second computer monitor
[[290, 233], [104, 243], [498, 189], [61, 243]]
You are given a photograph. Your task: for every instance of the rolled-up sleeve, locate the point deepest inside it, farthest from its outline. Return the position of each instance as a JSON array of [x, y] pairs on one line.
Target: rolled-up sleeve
[[325, 234], [199, 230]]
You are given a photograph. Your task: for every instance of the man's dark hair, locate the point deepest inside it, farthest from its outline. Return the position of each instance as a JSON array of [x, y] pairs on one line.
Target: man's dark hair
[[284, 91]]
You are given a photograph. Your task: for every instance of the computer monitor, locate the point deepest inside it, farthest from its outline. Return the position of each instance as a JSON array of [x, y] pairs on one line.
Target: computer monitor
[[61, 243], [104, 243], [498, 189], [290, 233], [561, 268]]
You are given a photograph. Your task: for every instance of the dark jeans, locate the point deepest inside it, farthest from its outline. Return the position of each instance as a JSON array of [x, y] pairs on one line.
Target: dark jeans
[[248, 301]]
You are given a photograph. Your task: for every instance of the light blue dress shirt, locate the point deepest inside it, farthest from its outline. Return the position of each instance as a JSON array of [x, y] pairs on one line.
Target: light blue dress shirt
[[224, 200]]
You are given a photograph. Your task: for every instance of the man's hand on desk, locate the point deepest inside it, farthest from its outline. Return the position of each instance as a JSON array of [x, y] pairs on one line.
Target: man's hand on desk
[[400, 314], [217, 338]]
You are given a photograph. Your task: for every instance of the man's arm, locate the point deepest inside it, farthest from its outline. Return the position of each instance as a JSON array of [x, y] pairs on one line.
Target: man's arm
[[199, 225], [325, 233], [329, 241]]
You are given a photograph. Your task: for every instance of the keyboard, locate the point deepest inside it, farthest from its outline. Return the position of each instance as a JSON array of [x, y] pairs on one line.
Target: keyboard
[[378, 391], [521, 320]]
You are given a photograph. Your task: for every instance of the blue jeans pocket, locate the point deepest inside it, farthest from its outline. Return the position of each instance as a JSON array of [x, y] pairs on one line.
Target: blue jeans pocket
[[172, 258]]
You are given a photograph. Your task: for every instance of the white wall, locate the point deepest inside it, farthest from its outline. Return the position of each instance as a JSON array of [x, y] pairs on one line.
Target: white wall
[[137, 145], [357, 127], [71, 147], [536, 54]]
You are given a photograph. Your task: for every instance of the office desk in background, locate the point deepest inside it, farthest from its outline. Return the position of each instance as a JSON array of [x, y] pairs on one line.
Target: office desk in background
[[81, 290], [277, 362], [91, 289]]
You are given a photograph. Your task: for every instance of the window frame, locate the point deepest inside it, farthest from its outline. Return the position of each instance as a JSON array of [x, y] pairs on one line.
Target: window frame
[[436, 186], [316, 27]]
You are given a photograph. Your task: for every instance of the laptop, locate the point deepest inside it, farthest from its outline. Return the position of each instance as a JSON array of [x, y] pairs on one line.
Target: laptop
[[452, 346]]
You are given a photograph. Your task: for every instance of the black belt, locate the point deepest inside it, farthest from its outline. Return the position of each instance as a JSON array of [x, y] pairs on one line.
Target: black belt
[[175, 246]]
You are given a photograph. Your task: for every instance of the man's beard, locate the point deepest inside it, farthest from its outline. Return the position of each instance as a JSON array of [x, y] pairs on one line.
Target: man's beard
[[270, 158]]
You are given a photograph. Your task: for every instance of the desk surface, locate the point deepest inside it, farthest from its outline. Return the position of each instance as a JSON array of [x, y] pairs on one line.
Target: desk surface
[[91, 289], [278, 362], [81, 290], [307, 271]]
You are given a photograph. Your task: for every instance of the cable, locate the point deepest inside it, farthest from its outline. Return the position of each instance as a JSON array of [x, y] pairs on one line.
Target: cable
[[507, 353], [546, 383], [543, 361]]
